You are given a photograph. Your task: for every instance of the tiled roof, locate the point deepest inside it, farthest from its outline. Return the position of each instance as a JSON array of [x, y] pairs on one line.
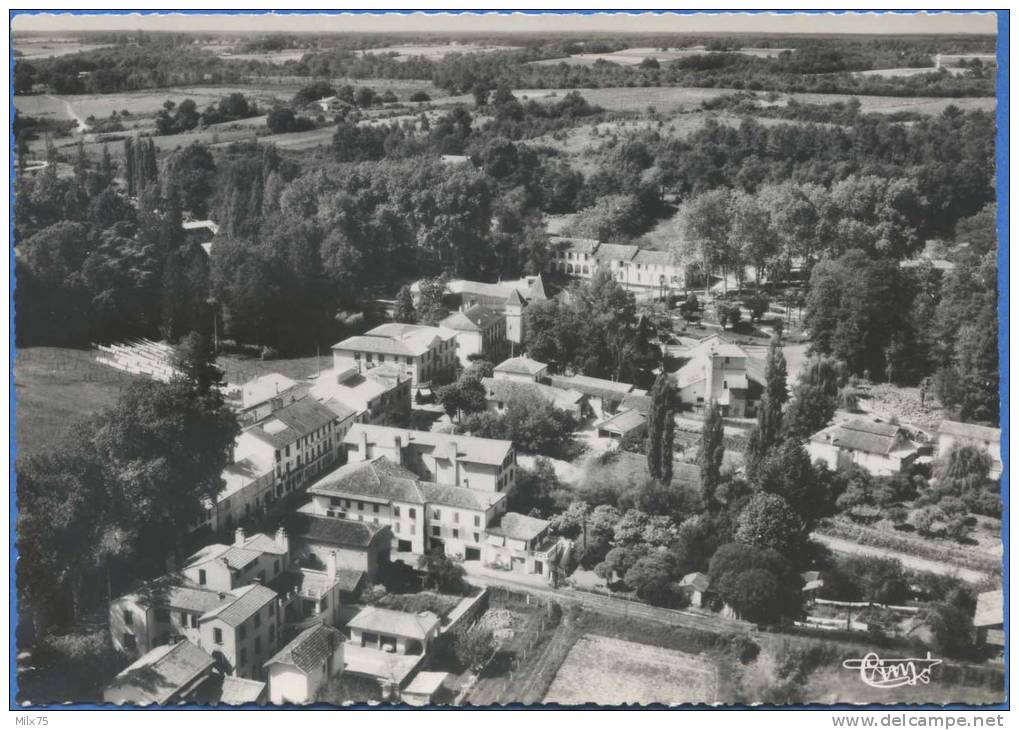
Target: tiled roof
[[319, 582], [310, 649], [536, 292], [640, 402], [236, 557], [615, 252], [469, 448], [264, 544], [862, 434], [334, 531], [443, 495], [473, 319], [518, 527], [597, 387], [398, 623], [394, 338], [520, 366], [173, 591], [246, 602], [648, 257], [499, 389], [623, 422], [970, 431], [989, 610], [379, 478], [159, 674], [292, 422]]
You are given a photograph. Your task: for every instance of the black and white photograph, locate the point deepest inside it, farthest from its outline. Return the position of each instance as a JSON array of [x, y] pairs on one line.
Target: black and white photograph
[[540, 358]]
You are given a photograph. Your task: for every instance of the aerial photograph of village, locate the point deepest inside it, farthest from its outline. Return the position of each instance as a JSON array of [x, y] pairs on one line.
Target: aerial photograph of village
[[494, 361]]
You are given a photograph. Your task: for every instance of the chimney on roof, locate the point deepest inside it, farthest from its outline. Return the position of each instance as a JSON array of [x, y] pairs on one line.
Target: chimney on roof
[[331, 565], [239, 537], [398, 448], [282, 540], [362, 444]]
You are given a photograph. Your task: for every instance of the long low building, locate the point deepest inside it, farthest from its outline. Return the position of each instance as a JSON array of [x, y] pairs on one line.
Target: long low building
[[500, 391], [880, 447]]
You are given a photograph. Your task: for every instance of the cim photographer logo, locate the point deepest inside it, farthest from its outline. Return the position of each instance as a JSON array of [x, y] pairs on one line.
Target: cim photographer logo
[[890, 673]]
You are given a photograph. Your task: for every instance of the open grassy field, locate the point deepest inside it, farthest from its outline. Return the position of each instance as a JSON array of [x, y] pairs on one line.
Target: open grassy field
[[633, 56], [614, 672], [434, 51], [54, 387], [673, 98], [33, 47]]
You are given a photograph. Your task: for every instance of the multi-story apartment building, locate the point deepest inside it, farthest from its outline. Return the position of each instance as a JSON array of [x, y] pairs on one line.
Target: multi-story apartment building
[[480, 333], [423, 352], [265, 394], [422, 516], [302, 440], [487, 465]]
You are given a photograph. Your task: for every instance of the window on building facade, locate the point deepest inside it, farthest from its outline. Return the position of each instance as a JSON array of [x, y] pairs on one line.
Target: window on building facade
[[217, 636], [436, 531]]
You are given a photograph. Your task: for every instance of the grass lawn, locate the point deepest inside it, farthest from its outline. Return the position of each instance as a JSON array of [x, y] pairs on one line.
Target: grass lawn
[[239, 369], [672, 98], [54, 387]]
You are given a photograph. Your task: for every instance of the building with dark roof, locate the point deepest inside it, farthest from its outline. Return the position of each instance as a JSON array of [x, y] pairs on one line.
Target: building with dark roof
[[880, 447], [298, 670], [355, 545], [422, 515], [521, 544], [500, 391], [300, 440], [480, 333], [166, 675], [454, 459]]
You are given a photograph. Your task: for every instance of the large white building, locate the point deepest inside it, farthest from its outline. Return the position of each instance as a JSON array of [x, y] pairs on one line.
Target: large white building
[[633, 267], [380, 395], [719, 370], [422, 516], [480, 333], [422, 352]]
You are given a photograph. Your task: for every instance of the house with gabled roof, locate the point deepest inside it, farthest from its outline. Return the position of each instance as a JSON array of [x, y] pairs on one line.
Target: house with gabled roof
[[298, 670], [355, 545], [167, 675], [697, 589], [454, 459], [243, 630], [716, 369], [880, 447], [265, 394], [500, 391], [423, 516], [480, 333], [521, 369], [422, 352], [603, 396], [522, 544]]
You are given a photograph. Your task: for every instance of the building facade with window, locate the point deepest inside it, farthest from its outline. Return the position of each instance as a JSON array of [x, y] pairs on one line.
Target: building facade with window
[[422, 352], [488, 465]]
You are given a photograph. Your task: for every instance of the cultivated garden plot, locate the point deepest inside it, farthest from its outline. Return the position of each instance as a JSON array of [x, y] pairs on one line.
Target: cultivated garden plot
[[612, 671]]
